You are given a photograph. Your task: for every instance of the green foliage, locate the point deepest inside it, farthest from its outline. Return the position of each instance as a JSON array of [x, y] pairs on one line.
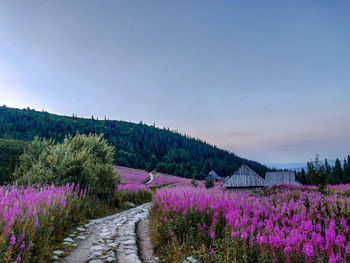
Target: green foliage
[[119, 198], [209, 183], [302, 177], [82, 159], [317, 174], [194, 182], [346, 170], [137, 145], [337, 172], [10, 151], [321, 173]]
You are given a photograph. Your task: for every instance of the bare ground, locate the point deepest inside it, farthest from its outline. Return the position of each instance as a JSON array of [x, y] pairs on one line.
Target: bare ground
[[144, 242]]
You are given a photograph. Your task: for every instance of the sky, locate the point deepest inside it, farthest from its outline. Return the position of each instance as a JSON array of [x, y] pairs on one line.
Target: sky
[[267, 80]]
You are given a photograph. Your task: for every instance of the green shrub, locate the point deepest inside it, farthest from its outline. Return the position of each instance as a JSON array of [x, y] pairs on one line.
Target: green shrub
[[82, 159], [10, 151], [137, 197], [209, 183]]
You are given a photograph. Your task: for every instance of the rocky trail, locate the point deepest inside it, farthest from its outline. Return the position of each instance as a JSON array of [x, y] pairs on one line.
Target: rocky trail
[[110, 239]]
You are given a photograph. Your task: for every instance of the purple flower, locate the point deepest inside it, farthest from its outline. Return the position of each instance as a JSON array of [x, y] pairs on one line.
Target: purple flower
[[287, 249], [308, 250], [347, 249], [13, 240], [212, 235], [234, 234], [244, 235], [211, 251]]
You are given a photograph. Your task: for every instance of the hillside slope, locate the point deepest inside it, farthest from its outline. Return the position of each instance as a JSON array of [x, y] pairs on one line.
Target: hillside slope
[[137, 145]]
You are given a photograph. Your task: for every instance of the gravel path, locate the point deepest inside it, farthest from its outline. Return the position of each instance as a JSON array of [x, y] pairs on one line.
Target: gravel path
[[108, 239]]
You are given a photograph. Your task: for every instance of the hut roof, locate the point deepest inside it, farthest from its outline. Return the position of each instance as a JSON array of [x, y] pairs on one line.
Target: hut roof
[[280, 177], [213, 175], [244, 177]]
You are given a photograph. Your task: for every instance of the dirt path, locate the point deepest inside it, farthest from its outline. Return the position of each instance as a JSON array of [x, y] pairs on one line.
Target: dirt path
[[144, 242], [150, 178], [109, 239]]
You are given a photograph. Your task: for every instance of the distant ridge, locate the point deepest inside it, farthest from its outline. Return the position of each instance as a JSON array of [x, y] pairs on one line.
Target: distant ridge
[[137, 145]]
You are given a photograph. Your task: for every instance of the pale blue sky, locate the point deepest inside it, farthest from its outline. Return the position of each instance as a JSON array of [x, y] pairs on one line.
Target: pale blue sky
[[268, 80]]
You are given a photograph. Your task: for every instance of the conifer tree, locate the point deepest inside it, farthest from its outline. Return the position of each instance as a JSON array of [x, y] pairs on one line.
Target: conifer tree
[[303, 179], [337, 172], [346, 171]]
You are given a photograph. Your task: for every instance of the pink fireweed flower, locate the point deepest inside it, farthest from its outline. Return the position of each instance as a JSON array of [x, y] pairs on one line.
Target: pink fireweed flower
[[244, 235], [339, 241], [234, 234], [212, 235], [347, 249], [287, 249], [277, 222], [13, 240], [211, 251], [308, 250]]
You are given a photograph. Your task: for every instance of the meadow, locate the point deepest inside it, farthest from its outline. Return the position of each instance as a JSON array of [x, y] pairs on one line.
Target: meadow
[[280, 224], [34, 219]]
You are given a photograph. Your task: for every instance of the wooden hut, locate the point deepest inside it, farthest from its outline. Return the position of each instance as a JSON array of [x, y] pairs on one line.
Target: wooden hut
[[244, 177], [281, 177], [213, 175]]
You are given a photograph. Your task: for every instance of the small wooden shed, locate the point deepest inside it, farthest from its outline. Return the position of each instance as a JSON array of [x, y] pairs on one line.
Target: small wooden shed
[[281, 177], [213, 175], [244, 177]]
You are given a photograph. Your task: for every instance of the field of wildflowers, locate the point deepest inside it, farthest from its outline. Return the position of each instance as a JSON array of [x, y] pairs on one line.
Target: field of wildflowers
[[34, 219], [160, 179], [132, 176], [281, 224]]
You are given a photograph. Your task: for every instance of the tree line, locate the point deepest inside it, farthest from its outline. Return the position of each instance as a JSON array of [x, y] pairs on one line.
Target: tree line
[[322, 173], [136, 145]]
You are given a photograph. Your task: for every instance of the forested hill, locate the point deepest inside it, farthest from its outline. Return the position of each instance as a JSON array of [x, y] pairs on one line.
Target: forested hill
[[137, 145]]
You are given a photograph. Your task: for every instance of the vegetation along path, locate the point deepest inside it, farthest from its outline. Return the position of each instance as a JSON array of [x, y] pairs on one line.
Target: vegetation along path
[[109, 239]]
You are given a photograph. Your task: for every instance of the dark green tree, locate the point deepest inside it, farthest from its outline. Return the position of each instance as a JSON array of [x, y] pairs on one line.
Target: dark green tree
[[346, 171], [194, 182], [327, 167], [10, 152], [303, 179], [136, 145], [317, 174], [337, 172], [209, 183]]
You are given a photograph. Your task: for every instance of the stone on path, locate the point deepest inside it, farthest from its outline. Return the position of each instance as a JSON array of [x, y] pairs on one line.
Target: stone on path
[[130, 204], [190, 260]]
